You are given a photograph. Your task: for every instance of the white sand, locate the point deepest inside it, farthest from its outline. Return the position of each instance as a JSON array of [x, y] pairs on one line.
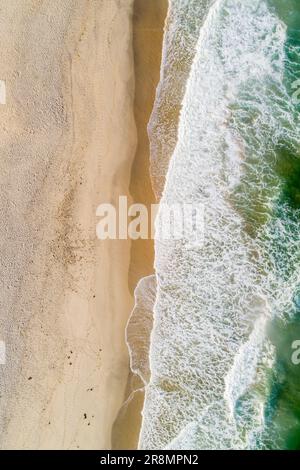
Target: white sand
[[67, 143]]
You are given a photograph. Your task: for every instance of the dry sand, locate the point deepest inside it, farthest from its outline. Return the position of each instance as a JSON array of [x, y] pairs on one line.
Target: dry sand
[[67, 143]]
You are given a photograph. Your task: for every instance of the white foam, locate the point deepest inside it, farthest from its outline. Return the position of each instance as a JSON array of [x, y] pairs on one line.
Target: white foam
[[183, 22], [139, 327], [211, 302]]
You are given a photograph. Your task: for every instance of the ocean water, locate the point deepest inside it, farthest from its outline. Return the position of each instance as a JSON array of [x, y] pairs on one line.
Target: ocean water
[[226, 313]]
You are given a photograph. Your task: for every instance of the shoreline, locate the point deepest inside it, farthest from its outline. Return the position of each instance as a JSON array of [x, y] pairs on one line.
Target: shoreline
[[148, 28]]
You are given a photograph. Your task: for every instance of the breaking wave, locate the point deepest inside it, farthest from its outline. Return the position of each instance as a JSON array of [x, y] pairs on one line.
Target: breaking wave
[[214, 359]]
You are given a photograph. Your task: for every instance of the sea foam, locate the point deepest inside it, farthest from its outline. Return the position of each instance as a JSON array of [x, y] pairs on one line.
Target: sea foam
[[210, 359]]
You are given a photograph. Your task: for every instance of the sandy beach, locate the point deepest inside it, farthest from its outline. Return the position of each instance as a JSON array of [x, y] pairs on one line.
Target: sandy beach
[[68, 140], [186, 342]]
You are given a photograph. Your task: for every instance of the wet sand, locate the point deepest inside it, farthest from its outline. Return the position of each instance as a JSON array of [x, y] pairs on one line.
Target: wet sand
[[148, 28]]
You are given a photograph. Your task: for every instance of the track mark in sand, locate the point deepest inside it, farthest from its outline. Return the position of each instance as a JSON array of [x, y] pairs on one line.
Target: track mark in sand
[[2, 92], [2, 353]]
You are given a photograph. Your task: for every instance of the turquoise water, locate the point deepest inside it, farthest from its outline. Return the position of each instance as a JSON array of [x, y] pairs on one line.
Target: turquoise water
[[227, 313], [282, 251], [282, 412]]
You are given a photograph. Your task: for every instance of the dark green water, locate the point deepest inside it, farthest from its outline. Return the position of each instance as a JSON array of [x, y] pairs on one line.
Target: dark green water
[[281, 239], [268, 198], [283, 412]]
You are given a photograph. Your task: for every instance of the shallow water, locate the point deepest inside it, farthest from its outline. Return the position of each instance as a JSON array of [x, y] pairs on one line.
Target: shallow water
[[226, 313]]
